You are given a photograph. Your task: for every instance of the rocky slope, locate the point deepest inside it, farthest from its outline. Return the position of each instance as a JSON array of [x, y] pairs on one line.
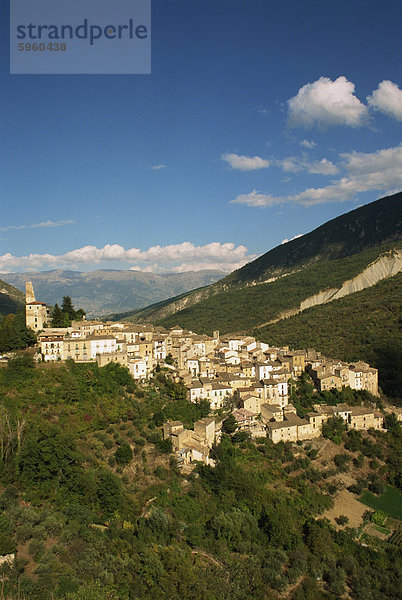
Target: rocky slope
[[387, 265]]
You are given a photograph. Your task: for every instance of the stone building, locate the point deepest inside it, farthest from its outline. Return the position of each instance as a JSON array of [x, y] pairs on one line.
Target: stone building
[[36, 314]]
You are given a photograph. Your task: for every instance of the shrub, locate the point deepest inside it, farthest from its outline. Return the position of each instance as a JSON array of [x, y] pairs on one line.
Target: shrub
[[161, 473], [333, 429], [229, 425], [359, 461], [353, 440], [342, 461], [123, 454], [377, 487], [379, 517], [36, 549], [164, 446]]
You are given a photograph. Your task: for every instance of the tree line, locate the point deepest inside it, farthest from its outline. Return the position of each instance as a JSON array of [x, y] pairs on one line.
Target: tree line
[[64, 315]]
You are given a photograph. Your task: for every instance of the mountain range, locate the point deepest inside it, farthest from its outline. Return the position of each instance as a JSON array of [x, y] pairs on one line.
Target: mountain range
[[105, 291]]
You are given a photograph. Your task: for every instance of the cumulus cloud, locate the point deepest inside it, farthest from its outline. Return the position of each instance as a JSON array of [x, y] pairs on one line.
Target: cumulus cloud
[[257, 199], [307, 144], [286, 240], [157, 258], [245, 163], [388, 99], [325, 103], [321, 167], [39, 225], [363, 172], [158, 167], [294, 164]]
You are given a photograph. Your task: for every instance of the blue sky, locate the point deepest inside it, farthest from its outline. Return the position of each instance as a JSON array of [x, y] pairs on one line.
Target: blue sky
[[260, 121]]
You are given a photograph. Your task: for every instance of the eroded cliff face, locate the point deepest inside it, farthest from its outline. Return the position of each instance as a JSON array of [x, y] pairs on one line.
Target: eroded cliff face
[[387, 265]]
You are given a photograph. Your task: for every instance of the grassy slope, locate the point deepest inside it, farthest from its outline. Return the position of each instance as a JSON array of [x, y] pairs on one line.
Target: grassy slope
[[246, 308], [364, 325]]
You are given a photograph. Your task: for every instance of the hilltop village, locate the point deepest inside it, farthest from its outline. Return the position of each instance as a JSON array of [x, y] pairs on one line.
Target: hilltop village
[[236, 374]]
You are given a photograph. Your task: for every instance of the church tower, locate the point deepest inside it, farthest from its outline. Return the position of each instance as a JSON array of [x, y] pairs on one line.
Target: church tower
[[35, 312]]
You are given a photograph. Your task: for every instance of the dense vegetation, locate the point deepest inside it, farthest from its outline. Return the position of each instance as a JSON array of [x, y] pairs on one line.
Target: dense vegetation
[[14, 335], [246, 308], [363, 326], [62, 317], [96, 507], [12, 299]]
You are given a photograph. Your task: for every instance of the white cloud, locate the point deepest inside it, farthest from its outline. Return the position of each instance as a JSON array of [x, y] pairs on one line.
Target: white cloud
[[325, 102], [245, 163], [158, 167], [286, 240], [322, 167], [257, 199], [377, 171], [216, 266], [39, 225], [175, 257], [388, 99], [293, 164], [307, 144], [147, 269]]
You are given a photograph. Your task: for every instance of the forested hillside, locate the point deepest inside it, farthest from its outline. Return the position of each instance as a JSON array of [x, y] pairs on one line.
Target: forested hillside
[[363, 326], [246, 308], [95, 507], [340, 247], [11, 299]]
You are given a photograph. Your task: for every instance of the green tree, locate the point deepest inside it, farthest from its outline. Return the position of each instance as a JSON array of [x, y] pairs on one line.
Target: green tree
[[48, 459], [333, 429], [229, 425], [14, 335], [169, 360], [68, 308], [123, 454], [59, 318], [342, 461], [109, 492], [302, 394], [80, 314]]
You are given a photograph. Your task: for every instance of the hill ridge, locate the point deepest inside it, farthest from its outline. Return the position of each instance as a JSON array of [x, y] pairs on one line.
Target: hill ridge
[[386, 265], [370, 226]]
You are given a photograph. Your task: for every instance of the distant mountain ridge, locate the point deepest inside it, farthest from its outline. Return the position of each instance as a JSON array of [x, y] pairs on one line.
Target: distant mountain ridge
[[105, 291], [326, 257]]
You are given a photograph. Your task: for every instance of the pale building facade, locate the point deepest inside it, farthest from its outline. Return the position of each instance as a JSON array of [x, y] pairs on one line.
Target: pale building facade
[[36, 314]]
